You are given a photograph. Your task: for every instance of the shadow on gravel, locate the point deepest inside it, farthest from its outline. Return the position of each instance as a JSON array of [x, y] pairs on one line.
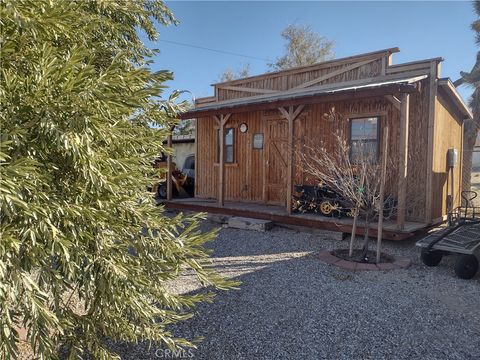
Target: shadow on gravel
[[295, 307], [302, 309]]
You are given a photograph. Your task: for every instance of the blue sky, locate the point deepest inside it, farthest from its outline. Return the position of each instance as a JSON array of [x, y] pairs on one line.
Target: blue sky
[[420, 29]]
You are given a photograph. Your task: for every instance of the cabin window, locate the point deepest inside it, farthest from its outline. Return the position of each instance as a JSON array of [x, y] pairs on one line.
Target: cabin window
[[229, 144], [364, 139]]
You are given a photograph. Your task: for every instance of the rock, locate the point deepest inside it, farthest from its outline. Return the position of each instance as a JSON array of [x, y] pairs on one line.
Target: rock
[[218, 218]]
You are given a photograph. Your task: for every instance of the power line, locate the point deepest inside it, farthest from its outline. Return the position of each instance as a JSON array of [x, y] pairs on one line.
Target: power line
[[214, 50]]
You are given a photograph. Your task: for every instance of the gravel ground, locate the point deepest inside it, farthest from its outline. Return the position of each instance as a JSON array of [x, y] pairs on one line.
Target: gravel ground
[[292, 306]]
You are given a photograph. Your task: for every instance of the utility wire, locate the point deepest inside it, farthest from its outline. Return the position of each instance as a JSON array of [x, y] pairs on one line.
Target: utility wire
[[214, 50]]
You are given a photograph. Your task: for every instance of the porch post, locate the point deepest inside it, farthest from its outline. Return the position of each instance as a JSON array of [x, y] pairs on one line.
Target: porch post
[[169, 167], [221, 159], [403, 164], [291, 115], [290, 161]]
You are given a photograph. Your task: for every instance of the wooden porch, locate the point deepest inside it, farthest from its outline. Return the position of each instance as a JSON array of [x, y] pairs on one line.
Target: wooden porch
[[279, 215]]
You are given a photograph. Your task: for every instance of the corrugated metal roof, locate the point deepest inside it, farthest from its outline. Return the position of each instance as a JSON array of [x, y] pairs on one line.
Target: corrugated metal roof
[[312, 91]]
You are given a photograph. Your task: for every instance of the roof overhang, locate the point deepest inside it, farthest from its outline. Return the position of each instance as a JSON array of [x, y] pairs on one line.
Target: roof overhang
[[371, 88], [447, 85]]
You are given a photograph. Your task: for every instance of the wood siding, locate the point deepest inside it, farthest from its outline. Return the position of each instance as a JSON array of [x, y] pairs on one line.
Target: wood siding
[[248, 178], [448, 134], [243, 178], [282, 82]]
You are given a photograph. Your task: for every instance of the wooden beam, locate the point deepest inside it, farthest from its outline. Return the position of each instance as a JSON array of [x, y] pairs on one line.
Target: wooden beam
[[403, 166], [298, 111], [413, 65], [169, 167], [334, 73], [430, 142], [225, 118], [284, 112], [247, 89], [394, 100], [383, 70], [221, 161]]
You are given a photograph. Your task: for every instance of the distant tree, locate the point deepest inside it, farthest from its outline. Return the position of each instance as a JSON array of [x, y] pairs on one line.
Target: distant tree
[[185, 127], [229, 74], [85, 253], [303, 47], [471, 127]]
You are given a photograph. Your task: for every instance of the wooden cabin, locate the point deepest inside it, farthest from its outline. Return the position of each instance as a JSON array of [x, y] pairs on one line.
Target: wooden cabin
[[247, 133]]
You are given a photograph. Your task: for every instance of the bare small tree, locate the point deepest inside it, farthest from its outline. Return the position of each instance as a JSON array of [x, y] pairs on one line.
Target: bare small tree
[[358, 177], [357, 180]]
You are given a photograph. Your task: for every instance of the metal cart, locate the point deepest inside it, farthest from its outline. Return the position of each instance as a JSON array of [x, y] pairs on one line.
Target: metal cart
[[461, 237]]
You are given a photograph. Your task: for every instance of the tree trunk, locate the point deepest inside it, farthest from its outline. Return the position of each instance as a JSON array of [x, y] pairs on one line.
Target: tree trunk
[[354, 233], [366, 237], [470, 137]]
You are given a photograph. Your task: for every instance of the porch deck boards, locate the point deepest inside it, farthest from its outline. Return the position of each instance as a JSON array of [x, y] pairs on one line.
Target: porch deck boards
[[278, 214]]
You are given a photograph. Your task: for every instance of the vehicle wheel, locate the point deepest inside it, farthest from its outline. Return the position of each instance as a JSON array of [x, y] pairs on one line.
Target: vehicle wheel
[[431, 257], [466, 266], [162, 191], [326, 208]]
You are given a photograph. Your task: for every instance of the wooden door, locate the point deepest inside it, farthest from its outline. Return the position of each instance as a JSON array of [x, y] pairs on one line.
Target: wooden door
[[276, 161]]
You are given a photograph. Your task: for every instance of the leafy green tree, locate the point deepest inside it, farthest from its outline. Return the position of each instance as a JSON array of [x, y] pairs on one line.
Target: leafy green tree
[[303, 47], [85, 254], [471, 127]]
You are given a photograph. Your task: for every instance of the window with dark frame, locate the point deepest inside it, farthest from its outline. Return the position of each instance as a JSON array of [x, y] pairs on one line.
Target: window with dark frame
[[364, 134], [229, 145]]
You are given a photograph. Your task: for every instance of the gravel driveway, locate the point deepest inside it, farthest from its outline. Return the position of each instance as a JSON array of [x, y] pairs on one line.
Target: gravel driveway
[[292, 306]]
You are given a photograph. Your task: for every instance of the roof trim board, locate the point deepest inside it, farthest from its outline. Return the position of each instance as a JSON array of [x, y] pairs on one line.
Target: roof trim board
[[448, 86]]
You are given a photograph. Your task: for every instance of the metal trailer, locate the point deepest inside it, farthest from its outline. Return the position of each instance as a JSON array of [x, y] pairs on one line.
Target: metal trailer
[[461, 237]]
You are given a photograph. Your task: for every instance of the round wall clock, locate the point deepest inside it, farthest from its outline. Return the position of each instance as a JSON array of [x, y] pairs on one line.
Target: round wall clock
[[243, 128]]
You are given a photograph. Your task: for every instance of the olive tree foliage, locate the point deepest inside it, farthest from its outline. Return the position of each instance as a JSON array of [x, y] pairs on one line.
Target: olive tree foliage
[[303, 47], [85, 254], [471, 127]]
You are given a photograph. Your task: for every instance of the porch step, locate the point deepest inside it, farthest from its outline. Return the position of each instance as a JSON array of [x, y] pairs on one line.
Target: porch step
[[236, 222]]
